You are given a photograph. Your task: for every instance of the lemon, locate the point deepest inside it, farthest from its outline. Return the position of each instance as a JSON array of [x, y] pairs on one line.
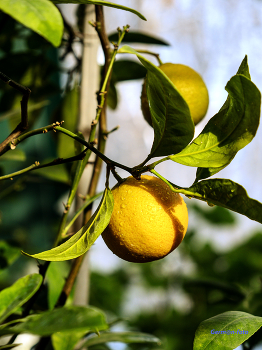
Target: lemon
[[149, 220], [189, 84]]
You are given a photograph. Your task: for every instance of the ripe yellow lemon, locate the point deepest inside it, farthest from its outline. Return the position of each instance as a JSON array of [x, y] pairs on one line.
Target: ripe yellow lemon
[[189, 84], [149, 220]]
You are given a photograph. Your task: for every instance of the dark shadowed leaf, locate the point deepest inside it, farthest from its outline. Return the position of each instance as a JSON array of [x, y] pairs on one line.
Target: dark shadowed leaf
[[9, 346], [128, 70], [102, 3], [172, 123], [8, 255], [231, 129], [227, 194], [70, 318], [138, 37], [14, 155], [81, 241], [123, 337], [15, 296], [55, 173], [41, 16], [232, 327]]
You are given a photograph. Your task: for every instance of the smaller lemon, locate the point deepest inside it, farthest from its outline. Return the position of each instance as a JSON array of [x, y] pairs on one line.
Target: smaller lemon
[[149, 220], [189, 84]]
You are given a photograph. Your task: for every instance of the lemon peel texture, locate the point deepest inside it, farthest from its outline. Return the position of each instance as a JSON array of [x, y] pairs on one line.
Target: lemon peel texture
[[149, 220]]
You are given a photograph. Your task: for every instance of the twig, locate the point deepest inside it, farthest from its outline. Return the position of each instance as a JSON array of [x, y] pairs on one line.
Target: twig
[[23, 125]]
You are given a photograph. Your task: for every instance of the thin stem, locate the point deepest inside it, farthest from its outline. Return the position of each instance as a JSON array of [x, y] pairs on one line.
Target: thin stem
[[23, 125], [93, 149], [37, 165], [153, 54]]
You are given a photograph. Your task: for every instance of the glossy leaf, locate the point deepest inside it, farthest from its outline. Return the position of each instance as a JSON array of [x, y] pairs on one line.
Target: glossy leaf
[[123, 337], [81, 241], [227, 194], [15, 296], [70, 318], [232, 327], [138, 37], [172, 123], [41, 16], [8, 255], [231, 129], [102, 3]]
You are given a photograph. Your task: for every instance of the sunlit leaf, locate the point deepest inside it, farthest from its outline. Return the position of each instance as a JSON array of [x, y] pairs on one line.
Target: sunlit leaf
[[231, 129], [65, 319], [102, 3], [66, 340], [14, 155], [226, 331], [81, 241], [172, 123], [15, 296], [41, 16]]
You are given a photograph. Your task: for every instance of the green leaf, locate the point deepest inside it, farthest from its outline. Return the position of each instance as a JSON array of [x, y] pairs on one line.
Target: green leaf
[[81, 241], [102, 3], [172, 122], [227, 194], [225, 324], [41, 16], [66, 340], [123, 337], [137, 37], [56, 276], [69, 318], [128, 70], [231, 129], [15, 296], [8, 255]]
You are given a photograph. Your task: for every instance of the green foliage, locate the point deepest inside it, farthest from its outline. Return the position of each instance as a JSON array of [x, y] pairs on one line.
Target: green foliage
[[227, 194], [16, 295], [227, 132], [241, 322], [59, 320], [173, 125], [41, 16], [221, 282]]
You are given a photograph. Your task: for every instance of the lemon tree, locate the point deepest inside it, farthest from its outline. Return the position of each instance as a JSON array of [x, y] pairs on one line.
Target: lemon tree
[[143, 218]]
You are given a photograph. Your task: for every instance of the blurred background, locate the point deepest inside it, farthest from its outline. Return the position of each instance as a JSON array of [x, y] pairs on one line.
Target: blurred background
[[218, 266]]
